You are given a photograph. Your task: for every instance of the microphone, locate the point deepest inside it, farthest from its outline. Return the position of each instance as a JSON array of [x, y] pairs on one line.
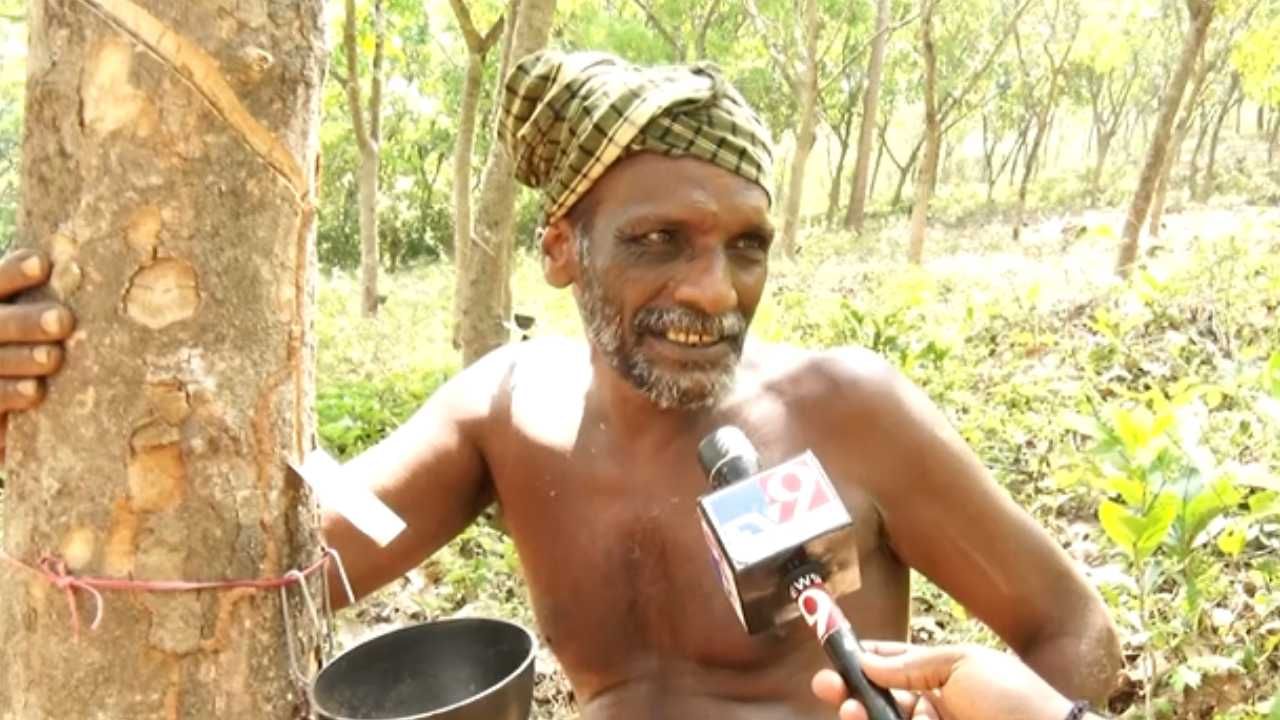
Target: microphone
[[776, 538]]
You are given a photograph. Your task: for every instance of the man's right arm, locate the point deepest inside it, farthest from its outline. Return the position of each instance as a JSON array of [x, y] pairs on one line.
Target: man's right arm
[[430, 471]]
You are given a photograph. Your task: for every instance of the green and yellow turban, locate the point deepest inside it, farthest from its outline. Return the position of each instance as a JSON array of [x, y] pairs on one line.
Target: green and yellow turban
[[567, 117]]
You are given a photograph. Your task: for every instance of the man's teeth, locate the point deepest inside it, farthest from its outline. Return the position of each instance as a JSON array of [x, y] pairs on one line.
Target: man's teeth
[[688, 338]]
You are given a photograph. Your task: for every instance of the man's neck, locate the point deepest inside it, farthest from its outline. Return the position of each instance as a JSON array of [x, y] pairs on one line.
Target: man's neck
[[630, 413]]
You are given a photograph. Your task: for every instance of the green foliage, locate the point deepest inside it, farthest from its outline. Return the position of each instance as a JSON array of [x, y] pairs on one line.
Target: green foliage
[[13, 52]]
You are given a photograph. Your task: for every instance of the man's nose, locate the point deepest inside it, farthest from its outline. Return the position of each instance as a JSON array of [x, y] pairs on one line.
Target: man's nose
[[707, 285]]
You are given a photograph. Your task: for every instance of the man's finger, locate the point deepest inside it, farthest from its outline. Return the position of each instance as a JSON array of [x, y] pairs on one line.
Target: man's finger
[[34, 322], [921, 669], [19, 361], [21, 270], [21, 394], [829, 687], [886, 648]]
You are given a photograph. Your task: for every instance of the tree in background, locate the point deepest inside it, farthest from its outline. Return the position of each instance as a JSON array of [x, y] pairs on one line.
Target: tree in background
[[1106, 66], [478, 47], [483, 291], [1200, 14], [368, 137], [1257, 58], [1213, 57], [797, 63], [853, 219], [686, 34], [168, 171], [1058, 27], [941, 114]]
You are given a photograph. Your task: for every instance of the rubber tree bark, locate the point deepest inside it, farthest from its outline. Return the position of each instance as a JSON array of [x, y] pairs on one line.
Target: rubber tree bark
[[368, 134], [482, 294], [168, 170], [856, 214], [1201, 12]]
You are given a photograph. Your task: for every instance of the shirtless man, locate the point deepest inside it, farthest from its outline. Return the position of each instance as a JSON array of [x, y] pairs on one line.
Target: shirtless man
[[658, 218]]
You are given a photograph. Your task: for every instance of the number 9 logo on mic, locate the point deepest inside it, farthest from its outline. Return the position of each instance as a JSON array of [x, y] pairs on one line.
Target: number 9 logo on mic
[[775, 510]]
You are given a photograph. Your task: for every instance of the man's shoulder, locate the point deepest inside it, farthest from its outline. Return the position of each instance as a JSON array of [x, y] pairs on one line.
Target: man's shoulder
[[840, 374]]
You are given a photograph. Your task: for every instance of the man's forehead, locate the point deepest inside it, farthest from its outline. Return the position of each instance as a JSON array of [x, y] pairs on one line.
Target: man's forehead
[[650, 183]]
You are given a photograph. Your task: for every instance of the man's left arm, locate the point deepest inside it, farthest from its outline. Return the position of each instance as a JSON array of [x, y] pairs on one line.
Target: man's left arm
[[945, 516]]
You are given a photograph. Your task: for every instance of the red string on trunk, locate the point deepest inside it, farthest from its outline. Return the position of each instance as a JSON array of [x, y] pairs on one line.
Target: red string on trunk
[[54, 571]]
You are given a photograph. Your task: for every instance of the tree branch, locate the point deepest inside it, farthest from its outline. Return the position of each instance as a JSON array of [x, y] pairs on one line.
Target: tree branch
[[353, 77], [780, 63], [700, 40], [952, 101], [853, 57], [375, 82], [467, 25], [670, 38], [490, 38]]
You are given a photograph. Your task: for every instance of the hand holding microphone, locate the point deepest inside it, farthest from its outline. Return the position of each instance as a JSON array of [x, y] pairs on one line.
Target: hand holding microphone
[[776, 536], [957, 682]]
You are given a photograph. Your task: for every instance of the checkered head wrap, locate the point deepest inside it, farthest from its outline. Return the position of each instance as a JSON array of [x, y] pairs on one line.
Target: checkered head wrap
[[567, 117]]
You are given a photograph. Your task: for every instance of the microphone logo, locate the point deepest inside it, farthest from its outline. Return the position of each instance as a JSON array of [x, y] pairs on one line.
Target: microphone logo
[[775, 510], [821, 612]]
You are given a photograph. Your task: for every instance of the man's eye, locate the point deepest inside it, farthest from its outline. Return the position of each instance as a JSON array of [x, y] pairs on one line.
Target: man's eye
[[752, 243], [654, 239]]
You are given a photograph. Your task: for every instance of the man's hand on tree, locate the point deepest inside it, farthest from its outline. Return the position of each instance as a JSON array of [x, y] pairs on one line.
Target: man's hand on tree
[[31, 335]]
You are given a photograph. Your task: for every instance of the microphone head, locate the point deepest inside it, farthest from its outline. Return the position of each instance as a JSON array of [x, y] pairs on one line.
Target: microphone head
[[726, 456]]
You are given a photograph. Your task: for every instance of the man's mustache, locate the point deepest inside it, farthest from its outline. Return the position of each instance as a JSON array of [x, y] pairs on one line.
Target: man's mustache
[[659, 321]]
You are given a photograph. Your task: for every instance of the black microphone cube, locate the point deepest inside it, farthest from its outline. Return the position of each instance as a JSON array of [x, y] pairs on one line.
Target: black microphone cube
[[756, 526]]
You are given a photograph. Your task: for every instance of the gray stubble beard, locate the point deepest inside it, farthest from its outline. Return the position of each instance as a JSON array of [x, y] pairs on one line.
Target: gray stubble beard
[[689, 388]]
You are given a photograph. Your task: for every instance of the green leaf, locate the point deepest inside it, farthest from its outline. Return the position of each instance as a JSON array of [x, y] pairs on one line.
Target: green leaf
[[1206, 505], [1119, 524], [1138, 534], [1232, 540]]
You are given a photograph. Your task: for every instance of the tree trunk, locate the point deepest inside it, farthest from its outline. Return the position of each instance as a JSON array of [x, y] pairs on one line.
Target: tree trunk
[[483, 294], [932, 136], [478, 48], [1206, 185], [168, 170], [904, 171], [1180, 131], [870, 101], [842, 137], [875, 172], [368, 182], [1274, 142], [807, 98], [1043, 120], [1201, 14], [1100, 163], [368, 136]]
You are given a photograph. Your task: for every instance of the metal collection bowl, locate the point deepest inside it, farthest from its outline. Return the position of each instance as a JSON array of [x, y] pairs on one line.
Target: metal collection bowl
[[464, 669]]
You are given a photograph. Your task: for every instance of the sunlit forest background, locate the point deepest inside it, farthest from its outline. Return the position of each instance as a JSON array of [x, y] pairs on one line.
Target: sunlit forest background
[[961, 188]]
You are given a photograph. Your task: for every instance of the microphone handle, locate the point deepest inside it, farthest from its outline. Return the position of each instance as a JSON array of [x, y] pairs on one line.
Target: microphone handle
[[842, 647], [821, 613]]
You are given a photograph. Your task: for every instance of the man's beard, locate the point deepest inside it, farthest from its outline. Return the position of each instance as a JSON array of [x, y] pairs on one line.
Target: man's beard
[[687, 387]]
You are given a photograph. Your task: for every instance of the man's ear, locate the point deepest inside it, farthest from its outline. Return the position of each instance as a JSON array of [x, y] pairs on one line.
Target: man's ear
[[560, 254]]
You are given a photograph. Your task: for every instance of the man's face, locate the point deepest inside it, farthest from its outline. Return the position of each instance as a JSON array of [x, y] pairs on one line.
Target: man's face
[[673, 262]]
